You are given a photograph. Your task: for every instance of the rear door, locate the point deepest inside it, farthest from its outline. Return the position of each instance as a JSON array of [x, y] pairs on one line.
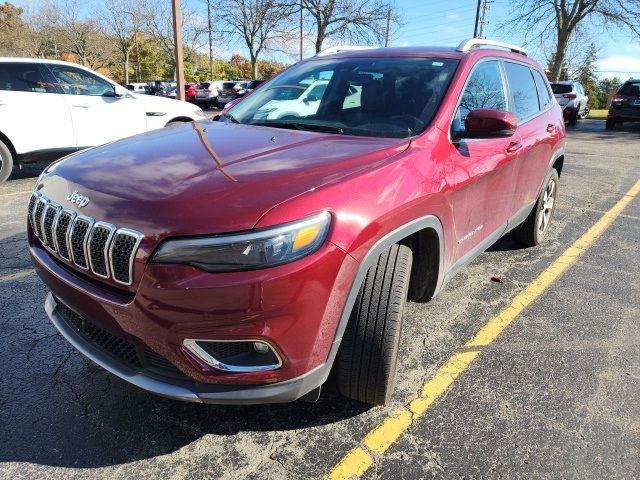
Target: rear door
[[98, 116], [33, 114], [480, 172], [538, 127]]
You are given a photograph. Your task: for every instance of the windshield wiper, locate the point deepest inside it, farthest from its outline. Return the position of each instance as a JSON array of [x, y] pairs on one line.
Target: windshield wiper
[[231, 118], [309, 127]]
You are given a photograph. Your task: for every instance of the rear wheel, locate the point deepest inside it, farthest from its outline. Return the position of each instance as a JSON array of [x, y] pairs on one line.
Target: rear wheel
[[610, 124], [532, 230], [6, 162], [573, 118], [368, 355]]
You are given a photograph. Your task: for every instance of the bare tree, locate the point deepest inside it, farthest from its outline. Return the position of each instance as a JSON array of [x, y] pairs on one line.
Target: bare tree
[[352, 20], [562, 18], [123, 21], [158, 21], [261, 24]]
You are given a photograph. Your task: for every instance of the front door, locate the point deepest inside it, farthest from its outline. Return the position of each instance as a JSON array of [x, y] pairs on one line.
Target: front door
[[98, 116], [480, 172]]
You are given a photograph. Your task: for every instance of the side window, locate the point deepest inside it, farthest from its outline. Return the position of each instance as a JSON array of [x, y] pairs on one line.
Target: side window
[[23, 77], [76, 82], [484, 89], [523, 90], [543, 90], [317, 92]]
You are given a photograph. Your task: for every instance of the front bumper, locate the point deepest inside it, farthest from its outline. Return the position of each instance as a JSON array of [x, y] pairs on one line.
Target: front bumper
[[186, 390], [294, 307]]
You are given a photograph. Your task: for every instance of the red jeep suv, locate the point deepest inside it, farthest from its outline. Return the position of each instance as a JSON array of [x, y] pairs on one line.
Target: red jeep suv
[[244, 260]]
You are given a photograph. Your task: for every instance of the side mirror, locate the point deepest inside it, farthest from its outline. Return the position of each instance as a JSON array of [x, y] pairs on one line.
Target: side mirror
[[488, 123], [311, 98], [113, 93]]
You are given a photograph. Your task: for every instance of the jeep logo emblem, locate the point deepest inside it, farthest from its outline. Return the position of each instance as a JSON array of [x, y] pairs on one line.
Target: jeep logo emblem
[[79, 200]]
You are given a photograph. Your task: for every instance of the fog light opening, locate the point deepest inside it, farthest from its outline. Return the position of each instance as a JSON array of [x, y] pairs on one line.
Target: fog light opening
[[235, 356]]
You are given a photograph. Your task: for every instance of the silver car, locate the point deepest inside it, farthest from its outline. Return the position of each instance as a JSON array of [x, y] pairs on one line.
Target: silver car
[[573, 100], [207, 93]]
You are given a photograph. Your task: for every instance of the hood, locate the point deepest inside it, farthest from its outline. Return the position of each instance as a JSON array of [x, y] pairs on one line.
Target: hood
[[207, 177]]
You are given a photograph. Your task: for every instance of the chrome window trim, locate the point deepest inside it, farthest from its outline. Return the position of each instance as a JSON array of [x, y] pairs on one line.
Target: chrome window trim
[[85, 240], [52, 248], [192, 346], [105, 250], [66, 234], [132, 233]]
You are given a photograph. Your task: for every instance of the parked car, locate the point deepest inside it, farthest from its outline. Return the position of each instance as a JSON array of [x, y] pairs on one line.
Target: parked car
[[190, 90], [573, 100], [50, 108], [168, 92], [242, 261], [154, 86], [230, 91], [207, 93], [294, 101], [250, 87], [625, 104], [139, 88]]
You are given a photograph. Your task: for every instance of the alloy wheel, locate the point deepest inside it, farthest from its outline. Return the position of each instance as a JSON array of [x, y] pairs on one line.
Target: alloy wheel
[[546, 207]]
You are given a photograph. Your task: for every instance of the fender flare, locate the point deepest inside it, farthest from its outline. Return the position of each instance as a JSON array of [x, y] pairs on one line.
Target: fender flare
[[428, 221]]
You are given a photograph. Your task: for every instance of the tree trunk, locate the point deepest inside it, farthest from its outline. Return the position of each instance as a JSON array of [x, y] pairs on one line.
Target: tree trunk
[[254, 67], [126, 68], [558, 59], [320, 39]]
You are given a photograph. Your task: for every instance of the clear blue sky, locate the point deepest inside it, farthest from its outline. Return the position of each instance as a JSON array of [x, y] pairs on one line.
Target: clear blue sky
[[447, 22]]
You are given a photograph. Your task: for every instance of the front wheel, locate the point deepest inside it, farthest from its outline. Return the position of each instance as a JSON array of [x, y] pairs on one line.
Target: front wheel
[[585, 112], [366, 364], [6, 162], [532, 230], [610, 124]]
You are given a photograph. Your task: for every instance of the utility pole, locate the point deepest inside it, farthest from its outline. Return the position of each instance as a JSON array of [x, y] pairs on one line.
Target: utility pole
[[210, 41], [177, 39], [477, 25], [301, 19], [386, 33]]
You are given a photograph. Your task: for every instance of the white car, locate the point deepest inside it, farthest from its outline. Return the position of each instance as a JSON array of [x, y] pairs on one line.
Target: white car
[[50, 108], [573, 100], [292, 101], [140, 88]]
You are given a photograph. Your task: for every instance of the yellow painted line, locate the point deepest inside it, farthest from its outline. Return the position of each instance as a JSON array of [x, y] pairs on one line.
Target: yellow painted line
[[16, 276], [15, 193], [358, 460]]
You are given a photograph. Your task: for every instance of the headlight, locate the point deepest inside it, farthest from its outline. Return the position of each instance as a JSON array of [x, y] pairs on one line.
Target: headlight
[[248, 251]]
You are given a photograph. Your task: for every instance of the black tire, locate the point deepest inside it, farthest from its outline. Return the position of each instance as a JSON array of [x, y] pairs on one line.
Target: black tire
[[368, 355], [6, 162], [610, 124], [573, 119], [529, 232]]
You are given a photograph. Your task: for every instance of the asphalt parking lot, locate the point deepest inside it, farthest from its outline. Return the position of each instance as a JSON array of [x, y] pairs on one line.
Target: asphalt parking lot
[[555, 395]]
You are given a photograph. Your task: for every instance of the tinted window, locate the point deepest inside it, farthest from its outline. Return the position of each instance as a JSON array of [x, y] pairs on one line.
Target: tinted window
[[523, 90], [204, 85], [560, 88], [630, 89], [77, 82], [543, 91], [483, 90], [23, 77], [228, 85], [383, 97]]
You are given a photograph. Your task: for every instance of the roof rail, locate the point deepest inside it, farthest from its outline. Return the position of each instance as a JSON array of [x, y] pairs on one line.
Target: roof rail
[[472, 43], [342, 48]]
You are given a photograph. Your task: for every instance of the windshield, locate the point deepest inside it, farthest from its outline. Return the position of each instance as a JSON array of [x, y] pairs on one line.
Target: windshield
[[561, 88], [381, 97]]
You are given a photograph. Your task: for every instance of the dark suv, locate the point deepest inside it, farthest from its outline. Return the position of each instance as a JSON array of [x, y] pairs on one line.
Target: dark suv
[[625, 104], [244, 260]]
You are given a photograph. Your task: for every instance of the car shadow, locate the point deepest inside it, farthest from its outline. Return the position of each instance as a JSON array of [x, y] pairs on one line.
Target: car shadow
[[60, 409]]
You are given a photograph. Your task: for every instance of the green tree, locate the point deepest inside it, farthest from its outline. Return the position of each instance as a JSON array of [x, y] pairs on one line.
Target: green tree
[[13, 30], [606, 88], [586, 75]]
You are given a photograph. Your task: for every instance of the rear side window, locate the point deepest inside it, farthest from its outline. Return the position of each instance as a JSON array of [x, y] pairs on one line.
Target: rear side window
[[23, 77], [523, 90], [484, 89], [543, 91], [630, 89], [560, 88]]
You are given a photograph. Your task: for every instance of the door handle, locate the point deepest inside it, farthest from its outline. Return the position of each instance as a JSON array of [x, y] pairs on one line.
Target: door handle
[[551, 128], [514, 146]]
